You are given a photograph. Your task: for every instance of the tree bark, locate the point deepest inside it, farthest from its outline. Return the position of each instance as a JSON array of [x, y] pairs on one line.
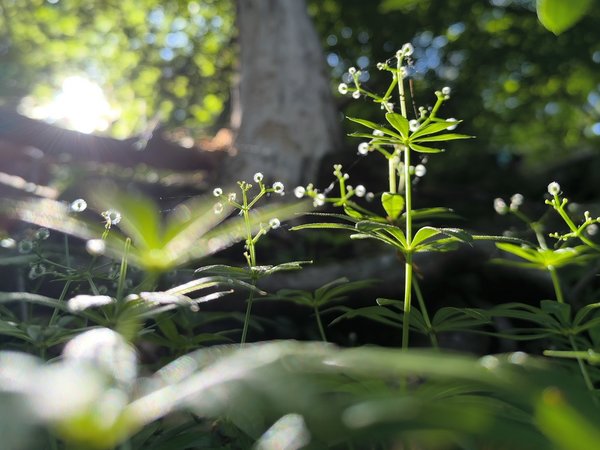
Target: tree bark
[[283, 113]]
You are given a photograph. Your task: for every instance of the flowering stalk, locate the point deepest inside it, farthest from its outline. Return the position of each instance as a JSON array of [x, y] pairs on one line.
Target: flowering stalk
[[408, 265], [250, 244]]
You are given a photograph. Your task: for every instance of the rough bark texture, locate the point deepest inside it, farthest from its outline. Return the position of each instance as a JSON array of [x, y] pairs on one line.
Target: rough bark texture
[[283, 115]]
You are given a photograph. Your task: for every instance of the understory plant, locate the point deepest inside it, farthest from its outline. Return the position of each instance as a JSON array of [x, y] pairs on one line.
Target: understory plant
[[114, 338]]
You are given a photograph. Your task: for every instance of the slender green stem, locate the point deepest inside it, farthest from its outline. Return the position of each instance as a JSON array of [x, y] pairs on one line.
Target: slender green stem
[[67, 251], [123, 271], [247, 316], [63, 294], [560, 299], [583, 368], [421, 300], [407, 300], [559, 207], [556, 283], [401, 89], [392, 163], [408, 272], [320, 324]]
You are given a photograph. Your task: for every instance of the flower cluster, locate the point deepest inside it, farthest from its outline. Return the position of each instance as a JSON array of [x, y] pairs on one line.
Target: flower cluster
[[347, 191]]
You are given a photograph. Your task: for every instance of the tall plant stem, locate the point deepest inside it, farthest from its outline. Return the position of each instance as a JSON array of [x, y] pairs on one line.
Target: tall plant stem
[[580, 362], [247, 316], [408, 269], [583, 368], [320, 325], [421, 300], [556, 283], [407, 300]]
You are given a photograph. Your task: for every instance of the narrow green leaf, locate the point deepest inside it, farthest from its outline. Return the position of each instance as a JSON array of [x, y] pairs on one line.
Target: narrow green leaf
[[433, 128], [374, 126], [324, 225], [423, 149], [399, 122], [443, 137]]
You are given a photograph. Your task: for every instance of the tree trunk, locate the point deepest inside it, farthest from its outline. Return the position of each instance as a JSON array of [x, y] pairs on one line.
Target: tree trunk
[[283, 115]]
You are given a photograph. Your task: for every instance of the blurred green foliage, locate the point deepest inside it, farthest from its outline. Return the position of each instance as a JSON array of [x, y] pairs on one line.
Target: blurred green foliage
[[153, 59], [523, 90]]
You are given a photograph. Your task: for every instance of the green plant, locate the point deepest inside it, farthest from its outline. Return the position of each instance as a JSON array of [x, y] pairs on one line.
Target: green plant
[[125, 363]]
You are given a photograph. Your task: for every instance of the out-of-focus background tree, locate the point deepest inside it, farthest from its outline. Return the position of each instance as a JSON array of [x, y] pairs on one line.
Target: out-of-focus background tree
[[532, 98]]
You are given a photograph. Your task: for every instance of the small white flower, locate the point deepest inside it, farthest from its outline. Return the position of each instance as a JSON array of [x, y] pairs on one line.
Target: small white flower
[[360, 190], [78, 205], [111, 217], [356, 95], [446, 90], [363, 148], [278, 188], [42, 234], [380, 66], [420, 170], [453, 127], [231, 197], [319, 200], [95, 246], [218, 208], [413, 125], [500, 206], [515, 201], [407, 49], [378, 133], [299, 192], [343, 88], [36, 271], [274, 223], [217, 192], [352, 70], [369, 197], [592, 229], [554, 188], [25, 246]]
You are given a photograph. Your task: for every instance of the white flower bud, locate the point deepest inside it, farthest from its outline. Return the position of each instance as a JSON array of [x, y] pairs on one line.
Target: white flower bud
[[343, 88], [446, 90], [278, 188], [413, 125], [453, 127], [78, 205], [360, 191], [500, 206], [274, 223], [363, 148], [299, 192], [420, 170], [356, 95], [554, 188], [407, 49]]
